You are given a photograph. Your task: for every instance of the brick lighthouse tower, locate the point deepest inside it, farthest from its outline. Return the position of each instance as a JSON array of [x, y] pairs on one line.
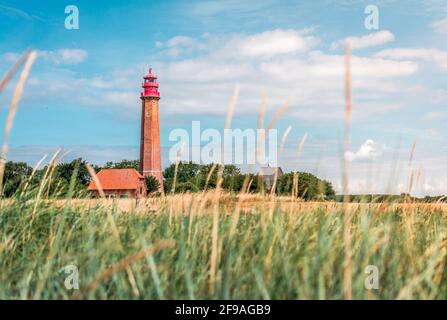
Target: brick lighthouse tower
[[150, 157]]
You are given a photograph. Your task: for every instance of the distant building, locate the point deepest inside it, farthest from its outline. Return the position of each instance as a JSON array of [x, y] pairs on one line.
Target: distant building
[[268, 175], [119, 183]]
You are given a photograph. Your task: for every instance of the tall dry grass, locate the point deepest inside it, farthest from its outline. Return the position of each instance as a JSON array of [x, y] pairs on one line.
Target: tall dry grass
[[347, 271], [28, 59], [296, 253]]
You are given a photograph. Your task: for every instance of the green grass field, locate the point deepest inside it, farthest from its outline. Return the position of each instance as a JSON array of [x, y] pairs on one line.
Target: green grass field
[[274, 253], [212, 245]]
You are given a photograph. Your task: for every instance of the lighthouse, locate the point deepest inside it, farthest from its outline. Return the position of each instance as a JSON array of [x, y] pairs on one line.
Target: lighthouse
[[150, 157]]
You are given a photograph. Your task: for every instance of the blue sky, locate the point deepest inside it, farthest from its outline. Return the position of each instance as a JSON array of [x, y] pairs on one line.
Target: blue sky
[[83, 93]]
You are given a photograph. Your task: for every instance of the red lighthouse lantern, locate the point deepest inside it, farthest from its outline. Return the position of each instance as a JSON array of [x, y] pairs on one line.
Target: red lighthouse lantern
[[150, 85]]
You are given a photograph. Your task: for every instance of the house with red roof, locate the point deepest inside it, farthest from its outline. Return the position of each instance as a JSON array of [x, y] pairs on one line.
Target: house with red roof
[[119, 183]]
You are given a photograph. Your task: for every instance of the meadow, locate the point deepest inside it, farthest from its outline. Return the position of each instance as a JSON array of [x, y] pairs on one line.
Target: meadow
[[214, 244], [188, 246]]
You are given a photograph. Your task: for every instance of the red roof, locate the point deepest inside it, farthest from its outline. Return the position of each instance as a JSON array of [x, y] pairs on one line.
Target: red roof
[[117, 179]]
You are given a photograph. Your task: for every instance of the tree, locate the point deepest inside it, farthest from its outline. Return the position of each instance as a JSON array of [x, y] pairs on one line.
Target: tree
[[123, 164], [329, 190], [61, 177], [310, 187], [186, 187], [186, 172], [190, 177], [66, 171], [194, 177], [254, 183], [152, 184], [16, 173], [232, 177]]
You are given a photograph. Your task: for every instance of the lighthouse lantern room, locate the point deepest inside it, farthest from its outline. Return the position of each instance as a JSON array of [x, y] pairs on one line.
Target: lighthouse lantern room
[[150, 85]]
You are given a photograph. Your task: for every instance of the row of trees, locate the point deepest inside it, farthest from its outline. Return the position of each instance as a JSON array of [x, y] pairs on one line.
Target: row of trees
[[390, 198], [17, 174], [195, 177], [189, 177]]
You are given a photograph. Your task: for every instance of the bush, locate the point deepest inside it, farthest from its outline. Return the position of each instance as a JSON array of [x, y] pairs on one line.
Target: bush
[[310, 187], [152, 184]]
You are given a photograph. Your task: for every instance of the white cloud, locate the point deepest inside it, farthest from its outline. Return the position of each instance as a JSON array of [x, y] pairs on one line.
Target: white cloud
[[435, 186], [427, 54], [370, 150], [262, 45], [180, 40], [330, 65], [181, 45], [432, 115], [15, 12], [428, 188], [389, 173], [111, 99], [370, 40], [203, 84], [64, 56], [281, 63], [272, 43], [96, 154], [58, 57], [432, 132], [440, 25], [11, 57]]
